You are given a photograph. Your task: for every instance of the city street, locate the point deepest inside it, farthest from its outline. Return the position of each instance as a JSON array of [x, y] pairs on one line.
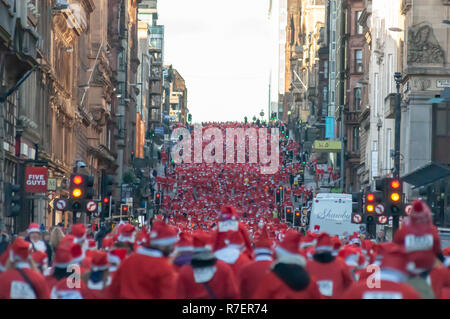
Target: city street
[[184, 150]]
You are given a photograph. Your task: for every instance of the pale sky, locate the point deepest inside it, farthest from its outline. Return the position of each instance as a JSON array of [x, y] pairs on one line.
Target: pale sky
[[223, 51]]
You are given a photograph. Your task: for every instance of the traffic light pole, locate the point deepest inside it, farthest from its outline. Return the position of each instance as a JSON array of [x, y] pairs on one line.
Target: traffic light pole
[[398, 117]]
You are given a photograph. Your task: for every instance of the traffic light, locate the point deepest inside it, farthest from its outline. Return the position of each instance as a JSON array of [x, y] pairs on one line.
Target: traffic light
[[394, 197], [78, 189], [158, 198], [278, 196], [297, 218], [189, 117], [12, 199], [289, 214], [124, 209], [106, 187], [357, 202], [245, 119], [90, 192]]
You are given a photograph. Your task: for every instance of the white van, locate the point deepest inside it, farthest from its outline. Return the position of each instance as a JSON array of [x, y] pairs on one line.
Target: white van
[[332, 212]]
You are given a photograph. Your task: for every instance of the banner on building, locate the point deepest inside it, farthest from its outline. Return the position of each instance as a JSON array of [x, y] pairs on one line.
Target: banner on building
[[329, 127], [36, 179], [327, 146]]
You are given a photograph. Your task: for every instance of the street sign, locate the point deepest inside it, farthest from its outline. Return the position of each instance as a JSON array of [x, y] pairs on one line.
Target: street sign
[[382, 220], [91, 206], [159, 130], [36, 179], [51, 186], [129, 200], [357, 218], [408, 209], [379, 209], [61, 204], [327, 146], [329, 127]]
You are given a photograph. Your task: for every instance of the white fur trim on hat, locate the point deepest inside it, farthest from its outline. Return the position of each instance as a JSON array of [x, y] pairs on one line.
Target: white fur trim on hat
[[228, 254], [126, 239], [447, 262], [149, 252], [33, 230], [181, 249], [286, 257], [324, 248], [262, 251], [99, 268], [113, 259], [352, 260], [164, 241]]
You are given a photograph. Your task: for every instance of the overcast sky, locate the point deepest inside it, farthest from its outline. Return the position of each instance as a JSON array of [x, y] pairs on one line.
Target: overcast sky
[[222, 50]]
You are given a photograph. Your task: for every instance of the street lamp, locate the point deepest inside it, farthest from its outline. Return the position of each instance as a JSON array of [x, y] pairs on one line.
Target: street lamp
[[398, 114]]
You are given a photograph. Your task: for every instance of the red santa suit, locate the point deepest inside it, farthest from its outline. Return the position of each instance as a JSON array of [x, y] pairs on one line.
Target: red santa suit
[[96, 288], [147, 274], [230, 250], [420, 238], [390, 283], [252, 273], [217, 281], [288, 278], [13, 285], [331, 274]]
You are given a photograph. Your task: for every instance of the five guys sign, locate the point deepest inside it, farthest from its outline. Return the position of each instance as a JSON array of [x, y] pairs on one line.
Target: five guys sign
[[36, 179]]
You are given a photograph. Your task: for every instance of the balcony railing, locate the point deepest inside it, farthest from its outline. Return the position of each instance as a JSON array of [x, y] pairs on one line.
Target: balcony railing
[[351, 117]]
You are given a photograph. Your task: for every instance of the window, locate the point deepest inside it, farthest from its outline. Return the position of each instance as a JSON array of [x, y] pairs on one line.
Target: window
[[390, 72], [443, 120], [356, 139], [357, 96], [375, 94], [358, 61], [388, 148], [358, 27], [325, 69]]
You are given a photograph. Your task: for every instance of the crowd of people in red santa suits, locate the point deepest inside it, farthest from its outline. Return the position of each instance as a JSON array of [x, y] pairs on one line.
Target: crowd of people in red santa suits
[[217, 238]]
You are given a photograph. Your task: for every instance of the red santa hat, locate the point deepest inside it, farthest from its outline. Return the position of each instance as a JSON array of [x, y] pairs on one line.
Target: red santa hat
[[99, 261], [201, 241], [420, 214], [92, 245], [263, 244], [162, 234], [20, 250], [355, 240], [351, 256], [40, 258], [33, 228], [68, 254], [288, 250], [79, 232], [184, 244], [396, 258], [126, 234], [107, 243], [308, 241], [228, 212], [116, 256], [324, 243]]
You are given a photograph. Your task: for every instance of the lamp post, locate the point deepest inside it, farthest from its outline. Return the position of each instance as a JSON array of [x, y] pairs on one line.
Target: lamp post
[[398, 115]]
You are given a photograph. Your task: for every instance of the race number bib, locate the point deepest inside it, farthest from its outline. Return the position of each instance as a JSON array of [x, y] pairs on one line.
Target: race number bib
[[382, 295], [228, 225], [204, 274], [21, 290], [325, 287], [65, 294], [415, 243]]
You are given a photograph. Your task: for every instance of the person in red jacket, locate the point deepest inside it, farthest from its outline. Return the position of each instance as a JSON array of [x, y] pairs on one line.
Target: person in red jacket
[[332, 275], [389, 282], [20, 281], [99, 277], [252, 273], [206, 277], [231, 250], [420, 238], [288, 278], [148, 273], [183, 251]]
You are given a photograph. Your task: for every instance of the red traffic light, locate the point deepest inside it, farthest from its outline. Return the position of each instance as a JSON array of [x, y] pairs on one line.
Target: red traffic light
[[125, 208], [288, 210], [278, 191], [370, 197], [157, 195], [106, 200], [297, 214], [395, 184], [77, 180]]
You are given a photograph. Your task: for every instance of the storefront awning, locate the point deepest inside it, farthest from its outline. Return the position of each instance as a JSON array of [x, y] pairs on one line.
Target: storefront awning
[[427, 174]]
